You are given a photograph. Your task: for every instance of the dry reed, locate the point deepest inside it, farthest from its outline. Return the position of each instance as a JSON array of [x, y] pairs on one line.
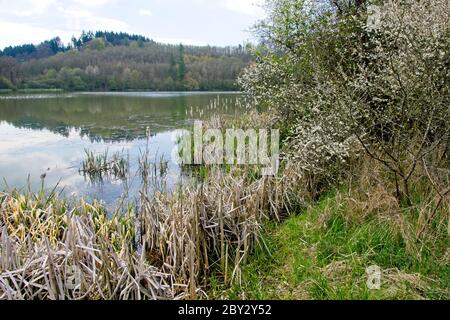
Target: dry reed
[[167, 250], [49, 252]]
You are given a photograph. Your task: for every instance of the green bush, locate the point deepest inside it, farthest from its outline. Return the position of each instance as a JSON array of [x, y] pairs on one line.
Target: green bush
[[6, 84]]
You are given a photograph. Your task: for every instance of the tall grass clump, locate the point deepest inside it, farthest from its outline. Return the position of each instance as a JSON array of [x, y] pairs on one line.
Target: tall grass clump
[[98, 166], [212, 226], [49, 251]]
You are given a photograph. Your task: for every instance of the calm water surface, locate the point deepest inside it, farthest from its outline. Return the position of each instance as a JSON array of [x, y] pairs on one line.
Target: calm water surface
[[43, 135]]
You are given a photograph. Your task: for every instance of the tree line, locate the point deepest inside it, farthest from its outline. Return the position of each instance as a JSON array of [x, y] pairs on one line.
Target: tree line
[[119, 61]]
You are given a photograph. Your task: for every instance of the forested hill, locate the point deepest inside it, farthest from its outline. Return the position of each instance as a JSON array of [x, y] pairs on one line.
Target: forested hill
[[119, 61]]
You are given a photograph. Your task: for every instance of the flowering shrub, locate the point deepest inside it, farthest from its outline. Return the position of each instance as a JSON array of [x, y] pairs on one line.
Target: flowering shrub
[[341, 85]]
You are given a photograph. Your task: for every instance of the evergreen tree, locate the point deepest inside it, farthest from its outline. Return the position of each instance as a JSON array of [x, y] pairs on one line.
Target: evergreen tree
[[173, 67], [181, 64]]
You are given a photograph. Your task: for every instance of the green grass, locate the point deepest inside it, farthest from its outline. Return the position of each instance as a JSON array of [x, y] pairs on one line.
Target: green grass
[[324, 252]]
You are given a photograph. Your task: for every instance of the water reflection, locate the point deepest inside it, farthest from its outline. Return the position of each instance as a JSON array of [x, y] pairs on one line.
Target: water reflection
[[48, 135], [108, 117]]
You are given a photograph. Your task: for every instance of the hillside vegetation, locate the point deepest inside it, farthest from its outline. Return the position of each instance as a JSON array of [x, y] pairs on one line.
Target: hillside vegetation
[[109, 61]]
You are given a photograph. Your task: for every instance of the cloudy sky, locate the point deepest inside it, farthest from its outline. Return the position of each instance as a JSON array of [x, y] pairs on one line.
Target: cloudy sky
[[214, 22]]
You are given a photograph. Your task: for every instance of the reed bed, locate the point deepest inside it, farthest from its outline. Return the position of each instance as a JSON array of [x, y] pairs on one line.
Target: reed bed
[[49, 252], [210, 226], [167, 249]]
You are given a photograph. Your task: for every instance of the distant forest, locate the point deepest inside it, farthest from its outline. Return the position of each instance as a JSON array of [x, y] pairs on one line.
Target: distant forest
[[109, 61]]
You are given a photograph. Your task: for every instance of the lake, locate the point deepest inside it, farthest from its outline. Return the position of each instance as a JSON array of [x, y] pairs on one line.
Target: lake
[[44, 137]]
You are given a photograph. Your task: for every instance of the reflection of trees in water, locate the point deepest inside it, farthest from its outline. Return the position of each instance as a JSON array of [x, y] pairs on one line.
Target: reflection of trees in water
[[93, 134], [119, 135], [103, 118]]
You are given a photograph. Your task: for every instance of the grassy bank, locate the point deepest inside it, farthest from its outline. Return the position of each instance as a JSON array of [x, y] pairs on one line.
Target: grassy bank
[[323, 252]]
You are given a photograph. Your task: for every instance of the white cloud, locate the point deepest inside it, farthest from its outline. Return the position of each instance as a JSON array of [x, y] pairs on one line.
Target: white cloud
[[93, 3], [23, 31], [79, 19], [247, 7], [144, 12], [72, 19], [26, 8], [174, 21], [185, 41]]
